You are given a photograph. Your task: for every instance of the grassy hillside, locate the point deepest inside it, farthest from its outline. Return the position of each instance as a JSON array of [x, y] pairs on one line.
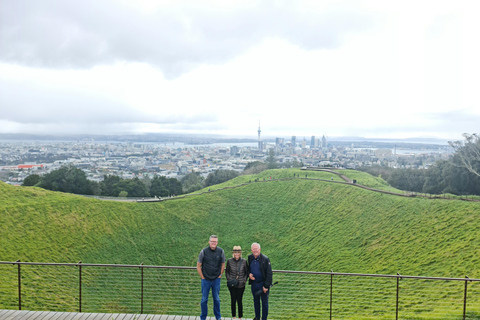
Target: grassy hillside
[[331, 226], [301, 224]]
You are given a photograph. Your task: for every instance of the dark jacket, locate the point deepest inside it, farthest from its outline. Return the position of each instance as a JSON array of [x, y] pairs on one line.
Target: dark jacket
[[232, 269], [265, 269], [212, 262]]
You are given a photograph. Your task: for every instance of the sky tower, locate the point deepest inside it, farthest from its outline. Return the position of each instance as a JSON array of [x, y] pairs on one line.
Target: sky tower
[[260, 145]]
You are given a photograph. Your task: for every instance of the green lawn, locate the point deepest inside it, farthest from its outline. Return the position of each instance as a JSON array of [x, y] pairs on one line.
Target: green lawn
[[302, 224]]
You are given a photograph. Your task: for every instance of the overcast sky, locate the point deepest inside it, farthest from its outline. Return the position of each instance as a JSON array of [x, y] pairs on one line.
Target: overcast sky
[[375, 69]]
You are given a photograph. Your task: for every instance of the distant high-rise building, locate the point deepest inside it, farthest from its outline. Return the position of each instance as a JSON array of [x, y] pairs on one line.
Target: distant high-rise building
[[312, 142], [324, 142], [233, 150], [260, 144], [279, 142], [294, 141], [304, 143]]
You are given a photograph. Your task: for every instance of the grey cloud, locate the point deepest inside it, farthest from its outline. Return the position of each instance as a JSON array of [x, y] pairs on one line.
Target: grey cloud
[[72, 34], [29, 103], [448, 124], [439, 25], [458, 121]]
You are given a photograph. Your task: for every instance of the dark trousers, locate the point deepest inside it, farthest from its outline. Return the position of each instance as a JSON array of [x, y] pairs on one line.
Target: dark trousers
[[236, 295], [256, 301]]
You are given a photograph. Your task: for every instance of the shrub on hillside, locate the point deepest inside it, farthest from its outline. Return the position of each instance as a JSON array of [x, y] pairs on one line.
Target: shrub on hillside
[[220, 176], [31, 180], [68, 179]]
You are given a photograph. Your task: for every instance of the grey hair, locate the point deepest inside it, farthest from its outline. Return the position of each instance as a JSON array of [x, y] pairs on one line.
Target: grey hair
[[212, 236], [258, 244]]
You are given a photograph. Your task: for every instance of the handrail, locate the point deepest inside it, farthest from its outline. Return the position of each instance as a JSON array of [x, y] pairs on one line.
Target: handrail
[[275, 271]]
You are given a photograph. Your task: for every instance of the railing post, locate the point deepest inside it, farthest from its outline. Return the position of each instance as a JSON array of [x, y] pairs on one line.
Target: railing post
[[141, 295], [465, 299], [331, 293], [398, 290], [79, 286], [19, 287]]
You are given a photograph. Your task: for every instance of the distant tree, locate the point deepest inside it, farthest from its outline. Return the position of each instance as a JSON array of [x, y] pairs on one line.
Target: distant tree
[[220, 176], [467, 152], [434, 179], [254, 167], [123, 194], [135, 188], [192, 182], [67, 179], [271, 161], [407, 179], [174, 186], [444, 176], [147, 181], [297, 164], [158, 188], [287, 164], [454, 178], [163, 186], [378, 171], [252, 164], [111, 185], [95, 187], [31, 180]]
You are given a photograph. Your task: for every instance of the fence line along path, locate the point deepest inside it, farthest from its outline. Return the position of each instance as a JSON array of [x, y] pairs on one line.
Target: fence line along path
[[51, 315]]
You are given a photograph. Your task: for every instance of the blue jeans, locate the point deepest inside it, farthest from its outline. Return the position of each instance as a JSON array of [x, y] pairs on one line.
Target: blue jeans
[[206, 285], [256, 300]]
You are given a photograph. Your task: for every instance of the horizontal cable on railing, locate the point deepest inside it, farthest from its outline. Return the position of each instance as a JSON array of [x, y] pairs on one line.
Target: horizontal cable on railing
[[176, 290]]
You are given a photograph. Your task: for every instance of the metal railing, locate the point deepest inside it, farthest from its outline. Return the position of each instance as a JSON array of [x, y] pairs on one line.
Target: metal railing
[[82, 287]]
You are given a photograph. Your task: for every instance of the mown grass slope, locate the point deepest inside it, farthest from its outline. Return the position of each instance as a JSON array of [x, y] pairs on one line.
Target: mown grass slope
[[301, 224]]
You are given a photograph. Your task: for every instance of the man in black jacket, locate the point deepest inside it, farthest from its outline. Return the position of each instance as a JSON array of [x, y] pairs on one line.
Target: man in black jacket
[[210, 266], [260, 274]]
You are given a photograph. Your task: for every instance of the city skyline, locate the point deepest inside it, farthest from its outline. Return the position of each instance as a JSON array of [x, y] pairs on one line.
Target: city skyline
[[370, 69]]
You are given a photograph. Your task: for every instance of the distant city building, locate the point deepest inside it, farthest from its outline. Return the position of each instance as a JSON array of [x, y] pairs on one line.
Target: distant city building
[[383, 153], [279, 142], [324, 142], [233, 150], [312, 142], [260, 144], [294, 141]]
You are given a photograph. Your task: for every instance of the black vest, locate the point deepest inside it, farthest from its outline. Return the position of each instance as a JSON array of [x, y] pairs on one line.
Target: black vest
[[212, 263]]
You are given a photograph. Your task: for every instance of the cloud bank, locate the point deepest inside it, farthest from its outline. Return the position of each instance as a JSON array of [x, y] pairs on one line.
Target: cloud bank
[[174, 38]]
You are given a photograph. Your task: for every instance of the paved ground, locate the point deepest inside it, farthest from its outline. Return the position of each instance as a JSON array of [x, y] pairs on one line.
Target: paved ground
[[51, 315]]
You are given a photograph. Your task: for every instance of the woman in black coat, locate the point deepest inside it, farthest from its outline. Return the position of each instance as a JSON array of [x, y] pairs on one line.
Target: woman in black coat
[[237, 269]]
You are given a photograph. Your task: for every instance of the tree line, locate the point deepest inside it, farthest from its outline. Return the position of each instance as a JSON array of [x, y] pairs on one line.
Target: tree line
[[73, 180], [460, 175]]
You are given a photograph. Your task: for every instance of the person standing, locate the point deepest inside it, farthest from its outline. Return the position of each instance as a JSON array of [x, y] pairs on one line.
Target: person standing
[[260, 274], [237, 269], [210, 266]]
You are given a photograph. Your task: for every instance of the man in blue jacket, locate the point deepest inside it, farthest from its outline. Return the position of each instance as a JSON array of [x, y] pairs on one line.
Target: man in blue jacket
[[260, 274]]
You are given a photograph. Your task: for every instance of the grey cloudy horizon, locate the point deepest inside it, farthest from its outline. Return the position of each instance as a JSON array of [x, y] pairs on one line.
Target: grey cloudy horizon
[[335, 68]]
